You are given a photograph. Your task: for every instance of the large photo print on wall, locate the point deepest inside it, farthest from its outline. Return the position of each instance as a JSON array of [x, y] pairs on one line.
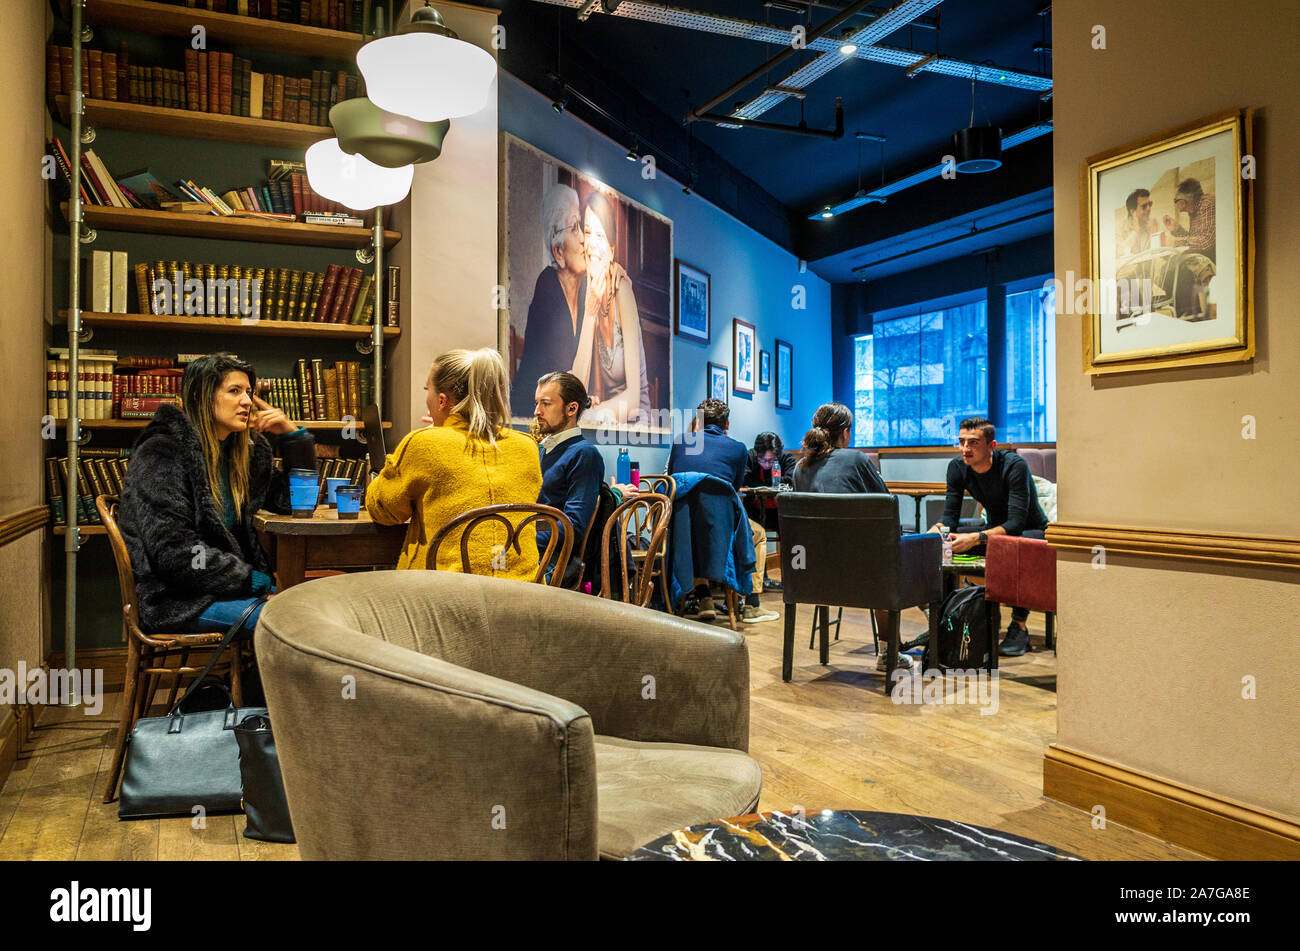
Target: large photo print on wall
[[588, 275], [1168, 250]]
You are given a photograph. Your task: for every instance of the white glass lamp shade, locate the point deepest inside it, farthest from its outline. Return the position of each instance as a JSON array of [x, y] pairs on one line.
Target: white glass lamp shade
[[426, 76], [354, 180]]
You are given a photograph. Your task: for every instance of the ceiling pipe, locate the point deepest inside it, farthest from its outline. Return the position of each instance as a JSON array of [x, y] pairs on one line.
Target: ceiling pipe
[[839, 19], [802, 129]]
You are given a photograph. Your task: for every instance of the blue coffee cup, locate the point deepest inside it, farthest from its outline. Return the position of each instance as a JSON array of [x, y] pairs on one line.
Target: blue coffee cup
[[332, 485], [348, 500], [303, 494]]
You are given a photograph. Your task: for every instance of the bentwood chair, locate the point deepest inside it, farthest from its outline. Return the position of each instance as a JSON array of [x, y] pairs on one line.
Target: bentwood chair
[[148, 656], [848, 549], [580, 551], [646, 511], [471, 520], [662, 484]]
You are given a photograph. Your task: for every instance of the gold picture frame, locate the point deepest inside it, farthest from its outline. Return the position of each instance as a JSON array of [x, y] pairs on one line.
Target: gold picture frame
[[1161, 245]]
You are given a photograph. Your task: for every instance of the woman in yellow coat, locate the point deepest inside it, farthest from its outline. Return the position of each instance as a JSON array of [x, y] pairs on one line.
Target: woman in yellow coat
[[468, 458]]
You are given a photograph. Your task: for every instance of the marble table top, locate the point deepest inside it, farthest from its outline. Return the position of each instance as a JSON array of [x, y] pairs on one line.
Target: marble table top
[[839, 835]]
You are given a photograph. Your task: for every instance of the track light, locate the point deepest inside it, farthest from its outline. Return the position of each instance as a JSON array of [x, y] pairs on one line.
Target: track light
[[847, 46], [559, 105], [632, 155], [827, 213]]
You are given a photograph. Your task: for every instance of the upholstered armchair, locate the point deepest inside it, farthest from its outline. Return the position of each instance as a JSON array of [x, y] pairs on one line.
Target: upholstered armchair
[[438, 715]]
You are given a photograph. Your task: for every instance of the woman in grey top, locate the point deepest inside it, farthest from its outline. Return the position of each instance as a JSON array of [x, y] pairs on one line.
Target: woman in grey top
[[828, 465], [610, 359]]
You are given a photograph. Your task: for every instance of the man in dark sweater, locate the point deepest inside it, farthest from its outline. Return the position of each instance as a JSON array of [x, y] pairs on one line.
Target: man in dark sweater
[[1000, 482], [717, 454], [572, 468], [761, 465]]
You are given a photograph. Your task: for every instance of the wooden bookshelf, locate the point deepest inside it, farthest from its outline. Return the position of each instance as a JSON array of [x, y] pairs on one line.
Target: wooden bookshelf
[[165, 19], [263, 328], [191, 124], [262, 230], [85, 529], [323, 424]]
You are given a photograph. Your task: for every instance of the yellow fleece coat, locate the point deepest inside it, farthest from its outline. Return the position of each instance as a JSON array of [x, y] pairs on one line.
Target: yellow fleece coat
[[432, 477]]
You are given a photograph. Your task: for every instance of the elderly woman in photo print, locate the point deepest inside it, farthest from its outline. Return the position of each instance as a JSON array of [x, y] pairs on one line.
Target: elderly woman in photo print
[[610, 359]]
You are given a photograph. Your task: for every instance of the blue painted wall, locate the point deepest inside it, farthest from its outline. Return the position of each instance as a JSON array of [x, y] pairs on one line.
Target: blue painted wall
[[751, 277]]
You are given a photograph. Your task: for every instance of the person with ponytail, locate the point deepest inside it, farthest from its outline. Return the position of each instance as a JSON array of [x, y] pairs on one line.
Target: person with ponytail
[[467, 458], [828, 465], [197, 476]]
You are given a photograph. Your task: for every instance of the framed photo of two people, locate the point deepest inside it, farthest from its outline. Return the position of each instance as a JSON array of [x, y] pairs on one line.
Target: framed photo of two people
[[1169, 248]]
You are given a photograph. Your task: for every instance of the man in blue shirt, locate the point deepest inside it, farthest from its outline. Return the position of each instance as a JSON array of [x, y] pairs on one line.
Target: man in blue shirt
[[717, 454], [572, 468]]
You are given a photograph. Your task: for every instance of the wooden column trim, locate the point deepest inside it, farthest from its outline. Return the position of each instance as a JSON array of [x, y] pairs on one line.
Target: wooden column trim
[[1273, 551], [1211, 825], [18, 524]]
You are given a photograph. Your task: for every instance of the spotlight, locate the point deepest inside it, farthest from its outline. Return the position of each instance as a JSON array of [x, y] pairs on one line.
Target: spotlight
[[690, 183], [827, 213], [977, 149], [559, 105], [631, 153], [847, 46]]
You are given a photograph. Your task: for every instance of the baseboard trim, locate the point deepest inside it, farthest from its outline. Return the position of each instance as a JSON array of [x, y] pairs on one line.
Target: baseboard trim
[[1213, 826]]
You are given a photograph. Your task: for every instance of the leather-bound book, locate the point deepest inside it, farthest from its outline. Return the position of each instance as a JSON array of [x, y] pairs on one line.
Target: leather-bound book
[[277, 98], [110, 76], [332, 410], [246, 108], [304, 389], [227, 75], [354, 388], [96, 60], [298, 193], [53, 74], [318, 389], [292, 294], [309, 309], [327, 294], [214, 81], [343, 311]]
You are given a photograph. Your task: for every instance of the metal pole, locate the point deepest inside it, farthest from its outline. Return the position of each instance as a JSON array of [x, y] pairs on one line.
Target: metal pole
[[377, 331], [72, 540]]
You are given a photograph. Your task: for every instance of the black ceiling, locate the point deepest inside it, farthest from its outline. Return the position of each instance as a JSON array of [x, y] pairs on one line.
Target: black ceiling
[[618, 61]]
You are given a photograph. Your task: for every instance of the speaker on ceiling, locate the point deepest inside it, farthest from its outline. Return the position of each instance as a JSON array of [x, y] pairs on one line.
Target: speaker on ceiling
[[977, 149]]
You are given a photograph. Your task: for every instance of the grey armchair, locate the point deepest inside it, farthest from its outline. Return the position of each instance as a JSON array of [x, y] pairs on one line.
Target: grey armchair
[[438, 715]]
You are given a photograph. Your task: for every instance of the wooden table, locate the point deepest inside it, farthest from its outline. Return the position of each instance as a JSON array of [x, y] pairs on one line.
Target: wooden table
[[299, 545], [840, 835], [917, 491]]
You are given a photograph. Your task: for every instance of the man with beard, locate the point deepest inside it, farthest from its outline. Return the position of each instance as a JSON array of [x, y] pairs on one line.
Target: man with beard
[[572, 468]]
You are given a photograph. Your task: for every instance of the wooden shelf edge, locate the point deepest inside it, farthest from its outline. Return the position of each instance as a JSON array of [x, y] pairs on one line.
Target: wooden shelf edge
[[270, 328], [221, 227], [91, 529], [192, 124]]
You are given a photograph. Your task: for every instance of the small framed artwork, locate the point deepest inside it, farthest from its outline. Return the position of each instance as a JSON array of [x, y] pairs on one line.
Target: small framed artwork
[[765, 368], [692, 316], [717, 383], [743, 340], [1169, 251], [784, 375]]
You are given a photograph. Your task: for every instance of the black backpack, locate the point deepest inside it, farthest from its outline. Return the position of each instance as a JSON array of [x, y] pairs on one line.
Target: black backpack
[[606, 502], [965, 640]]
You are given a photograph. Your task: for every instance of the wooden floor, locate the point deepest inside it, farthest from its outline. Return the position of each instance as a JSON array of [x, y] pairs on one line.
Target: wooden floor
[[828, 739]]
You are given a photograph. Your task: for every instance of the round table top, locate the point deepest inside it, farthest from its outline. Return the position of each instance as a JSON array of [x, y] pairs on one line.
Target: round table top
[[840, 835]]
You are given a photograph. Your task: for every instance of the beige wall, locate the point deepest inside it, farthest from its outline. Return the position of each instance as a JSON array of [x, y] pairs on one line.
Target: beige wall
[[23, 248], [1153, 653], [448, 252]]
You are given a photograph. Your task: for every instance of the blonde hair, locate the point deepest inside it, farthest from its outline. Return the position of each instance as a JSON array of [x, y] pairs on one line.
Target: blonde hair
[[199, 385], [476, 382]]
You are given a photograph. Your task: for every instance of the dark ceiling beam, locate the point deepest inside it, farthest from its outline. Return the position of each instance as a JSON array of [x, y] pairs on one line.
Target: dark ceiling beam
[[1026, 168]]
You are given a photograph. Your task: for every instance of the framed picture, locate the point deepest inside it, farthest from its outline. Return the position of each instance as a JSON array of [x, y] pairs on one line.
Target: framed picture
[[784, 377], [765, 368], [559, 225], [743, 341], [691, 318], [717, 382], [1168, 241]]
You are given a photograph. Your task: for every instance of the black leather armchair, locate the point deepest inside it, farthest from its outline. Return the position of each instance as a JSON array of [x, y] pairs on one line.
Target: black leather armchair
[[849, 550]]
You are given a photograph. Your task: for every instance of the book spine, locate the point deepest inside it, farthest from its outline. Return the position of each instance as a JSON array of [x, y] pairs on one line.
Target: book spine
[[363, 386], [101, 282], [354, 389], [53, 493], [53, 74], [96, 59], [277, 99], [361, 312], [226, 78], [391, 300], [304, 390], [119, 268], [292, 296], [318, 389], [343, 313], [110, 76]]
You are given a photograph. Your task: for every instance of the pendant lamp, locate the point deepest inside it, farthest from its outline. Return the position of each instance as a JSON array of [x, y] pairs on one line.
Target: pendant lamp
[[354, 180], [426, 71]]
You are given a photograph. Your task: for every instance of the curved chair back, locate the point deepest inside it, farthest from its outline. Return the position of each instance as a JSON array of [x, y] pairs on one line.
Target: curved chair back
[[107, 506], [644, 510], [661, 484], [581, 550], [560, 525]]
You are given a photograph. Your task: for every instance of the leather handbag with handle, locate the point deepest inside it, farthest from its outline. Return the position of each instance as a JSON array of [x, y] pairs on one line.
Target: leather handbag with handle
[[264, 801], [181, 763]]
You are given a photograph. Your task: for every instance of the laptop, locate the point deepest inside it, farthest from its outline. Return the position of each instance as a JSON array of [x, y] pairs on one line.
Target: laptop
[[374, 438]]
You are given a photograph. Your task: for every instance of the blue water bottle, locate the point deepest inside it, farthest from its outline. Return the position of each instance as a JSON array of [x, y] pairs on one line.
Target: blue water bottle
[[624, 469]]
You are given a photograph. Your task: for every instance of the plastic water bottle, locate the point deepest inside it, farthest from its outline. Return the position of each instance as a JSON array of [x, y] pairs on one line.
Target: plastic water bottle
[[634, 476], [776, 472], [624, 468], [947, 548]]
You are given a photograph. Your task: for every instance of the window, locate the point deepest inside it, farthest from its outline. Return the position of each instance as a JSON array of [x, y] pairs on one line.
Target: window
[[918, 376], [1031, 366]]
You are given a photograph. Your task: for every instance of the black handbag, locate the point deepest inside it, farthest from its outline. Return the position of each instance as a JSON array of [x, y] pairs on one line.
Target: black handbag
[[183, 762], [264, 802]]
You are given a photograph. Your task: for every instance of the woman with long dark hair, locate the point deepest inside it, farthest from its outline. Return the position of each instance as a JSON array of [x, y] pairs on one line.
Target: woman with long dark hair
[[197, 476]]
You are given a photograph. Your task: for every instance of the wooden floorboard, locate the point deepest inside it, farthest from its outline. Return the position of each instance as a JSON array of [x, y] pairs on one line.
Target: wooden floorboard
[[829, 739]]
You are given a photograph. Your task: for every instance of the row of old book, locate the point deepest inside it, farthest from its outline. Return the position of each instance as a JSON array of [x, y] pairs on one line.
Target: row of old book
[[212, 81], [346, 15], [108, 387], [338, 295], [106, 475], [317, 392]]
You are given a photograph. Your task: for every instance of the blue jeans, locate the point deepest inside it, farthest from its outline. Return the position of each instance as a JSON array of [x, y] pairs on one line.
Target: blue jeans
[[219, 615]]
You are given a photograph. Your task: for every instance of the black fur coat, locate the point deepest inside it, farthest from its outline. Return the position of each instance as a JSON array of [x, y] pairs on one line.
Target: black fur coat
[[182, 555]]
